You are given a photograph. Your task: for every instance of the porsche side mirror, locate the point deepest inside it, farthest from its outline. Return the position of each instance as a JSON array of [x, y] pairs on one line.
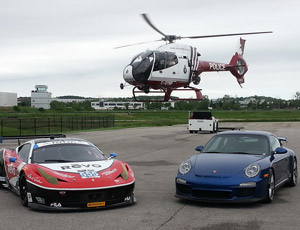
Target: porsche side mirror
[[199, 148], [280, 150]]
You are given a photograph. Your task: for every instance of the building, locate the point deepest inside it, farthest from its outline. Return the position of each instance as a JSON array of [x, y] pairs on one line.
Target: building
[[8, 99], [110, 105], [40, 97], [68, 100], [107, 105]]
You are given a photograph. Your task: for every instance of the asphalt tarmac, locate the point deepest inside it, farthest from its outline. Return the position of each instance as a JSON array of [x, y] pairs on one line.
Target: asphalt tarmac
[[154, 155]]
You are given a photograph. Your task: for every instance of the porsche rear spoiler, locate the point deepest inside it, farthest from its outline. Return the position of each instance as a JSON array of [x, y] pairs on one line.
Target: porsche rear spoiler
[[29, 137]]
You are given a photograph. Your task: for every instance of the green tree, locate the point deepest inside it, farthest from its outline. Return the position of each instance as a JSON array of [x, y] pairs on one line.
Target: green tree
[[296, 102]]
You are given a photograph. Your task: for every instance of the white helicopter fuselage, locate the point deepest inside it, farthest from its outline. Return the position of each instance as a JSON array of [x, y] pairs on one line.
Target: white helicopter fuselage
[[179, 72], [170, 64]]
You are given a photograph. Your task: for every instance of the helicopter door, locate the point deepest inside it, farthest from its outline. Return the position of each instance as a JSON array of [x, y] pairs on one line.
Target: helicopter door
[[142, 66], [168, 68]]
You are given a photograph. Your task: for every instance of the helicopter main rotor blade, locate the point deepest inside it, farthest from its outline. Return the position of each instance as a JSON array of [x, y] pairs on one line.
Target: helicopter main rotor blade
[[118, 47], [153, 27], [225, 35]]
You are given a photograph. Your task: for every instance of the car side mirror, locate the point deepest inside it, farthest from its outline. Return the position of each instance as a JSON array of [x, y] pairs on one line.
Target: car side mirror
[[12, 159], [112, 155], [199, 148], [280, 150]]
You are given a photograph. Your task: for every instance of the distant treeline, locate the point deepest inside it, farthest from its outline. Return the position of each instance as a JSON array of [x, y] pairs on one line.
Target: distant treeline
[[231, 103], [225, 103]]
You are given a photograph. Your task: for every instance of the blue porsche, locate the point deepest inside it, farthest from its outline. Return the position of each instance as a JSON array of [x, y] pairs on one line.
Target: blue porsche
[[237, 166]]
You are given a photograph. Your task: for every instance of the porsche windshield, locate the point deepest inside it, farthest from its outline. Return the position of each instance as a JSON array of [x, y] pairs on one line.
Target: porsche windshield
[[66, 153], [239, 144]]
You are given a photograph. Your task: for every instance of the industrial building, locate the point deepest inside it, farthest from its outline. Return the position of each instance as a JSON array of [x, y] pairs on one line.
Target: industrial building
[[101, 105], [110, 105], [8, 99]]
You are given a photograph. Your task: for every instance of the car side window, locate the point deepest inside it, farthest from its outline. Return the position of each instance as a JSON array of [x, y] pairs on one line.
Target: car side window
[[24, 151], [274, 142]]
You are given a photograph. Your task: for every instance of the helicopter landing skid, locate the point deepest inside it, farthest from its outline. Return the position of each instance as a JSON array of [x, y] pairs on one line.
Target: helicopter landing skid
[[166, 95]]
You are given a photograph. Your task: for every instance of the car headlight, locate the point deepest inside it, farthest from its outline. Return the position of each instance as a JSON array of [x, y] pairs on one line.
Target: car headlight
[[124, 173], [49, 178], [252, 170], [185, 167]]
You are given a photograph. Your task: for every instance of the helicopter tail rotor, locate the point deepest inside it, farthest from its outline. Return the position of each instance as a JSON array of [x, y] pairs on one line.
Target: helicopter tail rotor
[[238, 64]]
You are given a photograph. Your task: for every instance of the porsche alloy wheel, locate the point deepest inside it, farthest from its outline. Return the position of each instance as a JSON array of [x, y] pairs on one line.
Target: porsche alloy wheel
[[23, 190], [271, 187], [294, 175]]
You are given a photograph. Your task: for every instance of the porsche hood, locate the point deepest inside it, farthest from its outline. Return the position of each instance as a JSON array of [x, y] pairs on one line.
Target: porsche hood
[[222, 165]]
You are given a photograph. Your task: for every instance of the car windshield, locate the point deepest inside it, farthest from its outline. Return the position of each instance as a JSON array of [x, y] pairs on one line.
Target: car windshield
[[237, 144], [66, 153]]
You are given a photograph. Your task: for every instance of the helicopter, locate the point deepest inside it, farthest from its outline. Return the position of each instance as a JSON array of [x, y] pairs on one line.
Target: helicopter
[[174, 66]]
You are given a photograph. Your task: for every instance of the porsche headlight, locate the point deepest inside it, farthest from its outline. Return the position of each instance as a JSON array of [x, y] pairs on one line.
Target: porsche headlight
[[185, 167], [252, 170]]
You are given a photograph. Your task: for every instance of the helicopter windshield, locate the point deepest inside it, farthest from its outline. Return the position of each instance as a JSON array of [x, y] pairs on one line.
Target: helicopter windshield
[[142, 66], [164, 60]]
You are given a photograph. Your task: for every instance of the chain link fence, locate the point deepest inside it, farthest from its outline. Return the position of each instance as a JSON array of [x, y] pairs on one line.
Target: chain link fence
[[41, 125]]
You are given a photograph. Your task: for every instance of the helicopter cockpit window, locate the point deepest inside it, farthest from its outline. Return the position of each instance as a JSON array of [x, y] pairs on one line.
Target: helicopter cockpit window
[[141, 57], [171, 60], [160, 61], [164, 60], [142, 66], [135, 57]]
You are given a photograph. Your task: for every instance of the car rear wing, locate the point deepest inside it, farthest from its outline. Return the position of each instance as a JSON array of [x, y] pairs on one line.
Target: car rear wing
[[29, 137]]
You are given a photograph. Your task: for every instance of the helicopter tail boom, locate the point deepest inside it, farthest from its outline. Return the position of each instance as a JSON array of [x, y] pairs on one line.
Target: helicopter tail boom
[[237, 65]]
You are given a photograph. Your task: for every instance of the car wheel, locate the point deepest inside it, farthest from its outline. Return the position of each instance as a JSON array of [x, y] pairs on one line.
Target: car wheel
[[271, 187], [294, 175], [23, 190]]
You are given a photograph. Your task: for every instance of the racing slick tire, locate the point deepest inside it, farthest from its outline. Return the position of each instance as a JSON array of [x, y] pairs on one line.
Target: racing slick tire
[[2, 170], [271, 187], [294, 175], [23, 190]]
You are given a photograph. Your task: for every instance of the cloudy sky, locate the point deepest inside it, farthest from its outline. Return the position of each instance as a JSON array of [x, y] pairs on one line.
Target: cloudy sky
[[68, 44]]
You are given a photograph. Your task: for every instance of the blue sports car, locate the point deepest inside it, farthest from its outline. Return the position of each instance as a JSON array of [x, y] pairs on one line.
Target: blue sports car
[[237, 166]]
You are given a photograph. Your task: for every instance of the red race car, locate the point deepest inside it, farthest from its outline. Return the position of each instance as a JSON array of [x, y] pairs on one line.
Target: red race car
[[65, 173]]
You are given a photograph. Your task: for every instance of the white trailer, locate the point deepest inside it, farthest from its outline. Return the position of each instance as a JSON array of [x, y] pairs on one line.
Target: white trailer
[[202, 121]]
